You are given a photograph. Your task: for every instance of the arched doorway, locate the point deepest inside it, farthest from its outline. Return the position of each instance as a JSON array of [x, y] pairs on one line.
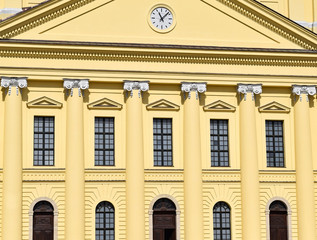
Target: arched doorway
[[278, 221], [43, 221], [164, 220]]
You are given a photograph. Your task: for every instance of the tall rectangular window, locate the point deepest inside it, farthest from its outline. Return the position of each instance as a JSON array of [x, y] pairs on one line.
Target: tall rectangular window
[[219, 147], [162, 141], [274, 143], [43, 154], [104, 141]]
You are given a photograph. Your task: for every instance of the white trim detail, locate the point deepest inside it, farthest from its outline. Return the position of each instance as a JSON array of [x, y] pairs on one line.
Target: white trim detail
[[303, 89], [289, 215], [81, 84], [188, 87], [129, 86], [249, 88], [31, 213], [178, 213], [17, 82]]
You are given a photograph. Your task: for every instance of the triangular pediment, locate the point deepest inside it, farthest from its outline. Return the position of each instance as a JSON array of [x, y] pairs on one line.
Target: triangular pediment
[[274, 107], [162, 105], [212, 23], [105, 103], [219, 106], [44, 102]]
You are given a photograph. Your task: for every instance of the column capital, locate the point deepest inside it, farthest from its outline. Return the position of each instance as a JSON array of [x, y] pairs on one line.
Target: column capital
[[17, 82], [249, 88], [142, 86], [304, 89], [81, 84], [188, 87]]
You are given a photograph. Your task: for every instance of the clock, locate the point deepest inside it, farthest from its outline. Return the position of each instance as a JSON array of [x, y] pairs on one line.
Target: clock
[[162, 19]]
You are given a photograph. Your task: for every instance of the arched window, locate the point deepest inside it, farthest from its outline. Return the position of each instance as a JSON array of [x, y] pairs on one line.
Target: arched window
[[43, 221], [221, 217], [278, 221], [164, 220], [105, 221]]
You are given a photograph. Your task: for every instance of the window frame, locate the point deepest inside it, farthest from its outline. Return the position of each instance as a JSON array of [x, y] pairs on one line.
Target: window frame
[[104, 134], [220, 221], [274, 136], [219, 145], [162, 150], [104, 229], [43, 149]]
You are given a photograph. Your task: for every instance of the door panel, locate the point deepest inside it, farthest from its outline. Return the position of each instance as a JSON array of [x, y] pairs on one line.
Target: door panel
[[43, 226], [278, 226], [164, 224]]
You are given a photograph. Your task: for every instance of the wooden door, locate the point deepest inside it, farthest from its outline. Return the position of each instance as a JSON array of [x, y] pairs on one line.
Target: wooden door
[[43, 227], [164, 220], [278, 226], [43, 221], [164, 226], [278, 221]]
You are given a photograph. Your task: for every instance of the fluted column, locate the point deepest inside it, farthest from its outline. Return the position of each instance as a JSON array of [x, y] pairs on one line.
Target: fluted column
[[135, 160], [75, 167], [193, 199], [12, 159], [304, 162], [249, 162]]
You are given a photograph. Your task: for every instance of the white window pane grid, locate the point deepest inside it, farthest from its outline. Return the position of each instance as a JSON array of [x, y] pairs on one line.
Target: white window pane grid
[[43, 152], [219, 143], [162, 142], [104, 141]]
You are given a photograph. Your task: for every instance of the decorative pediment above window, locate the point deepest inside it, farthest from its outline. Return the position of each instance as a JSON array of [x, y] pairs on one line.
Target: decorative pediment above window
[[162, 105], [44, 102], [219, 106], [105, 103], [274, 107]]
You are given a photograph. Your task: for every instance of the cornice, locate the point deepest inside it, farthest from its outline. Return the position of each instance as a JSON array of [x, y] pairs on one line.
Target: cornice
[[226, 56], [238, 6], [42, 18], [248, 12]]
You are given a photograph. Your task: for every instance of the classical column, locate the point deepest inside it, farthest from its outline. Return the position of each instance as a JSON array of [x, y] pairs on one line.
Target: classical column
[[75, 167], [135, 160], [249, 162], [193, 192], [12, 159], [304, 162]]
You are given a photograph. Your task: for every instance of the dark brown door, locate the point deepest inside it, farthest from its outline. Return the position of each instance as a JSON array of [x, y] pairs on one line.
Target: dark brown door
[[164, 226], [164, 220], [278, 221], [43, 221]]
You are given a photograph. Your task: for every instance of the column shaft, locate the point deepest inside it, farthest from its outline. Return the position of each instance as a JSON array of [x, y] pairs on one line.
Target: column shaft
[[304, 171], [192, 171], [249, 171], [135, 169], [75, 170], [12, 169]]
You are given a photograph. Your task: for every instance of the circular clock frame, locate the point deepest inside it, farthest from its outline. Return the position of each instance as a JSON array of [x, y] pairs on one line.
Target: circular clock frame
[[170, 28]]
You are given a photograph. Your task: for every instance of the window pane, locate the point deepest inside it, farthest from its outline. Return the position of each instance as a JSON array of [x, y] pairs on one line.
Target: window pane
[[221, 221], [219, 147], [274, 143], [43, 148], [104, 141], [162, 142], [105, 221]]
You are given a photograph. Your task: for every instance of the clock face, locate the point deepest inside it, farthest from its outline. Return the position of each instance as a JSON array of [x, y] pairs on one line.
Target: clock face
[[161, 18]]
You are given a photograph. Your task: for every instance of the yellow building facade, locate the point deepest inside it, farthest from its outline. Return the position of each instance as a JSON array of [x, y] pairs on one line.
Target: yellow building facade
[[147, 120]]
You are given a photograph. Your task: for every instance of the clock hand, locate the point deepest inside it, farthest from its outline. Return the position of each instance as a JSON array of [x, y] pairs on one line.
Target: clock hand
[[162, 18]]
